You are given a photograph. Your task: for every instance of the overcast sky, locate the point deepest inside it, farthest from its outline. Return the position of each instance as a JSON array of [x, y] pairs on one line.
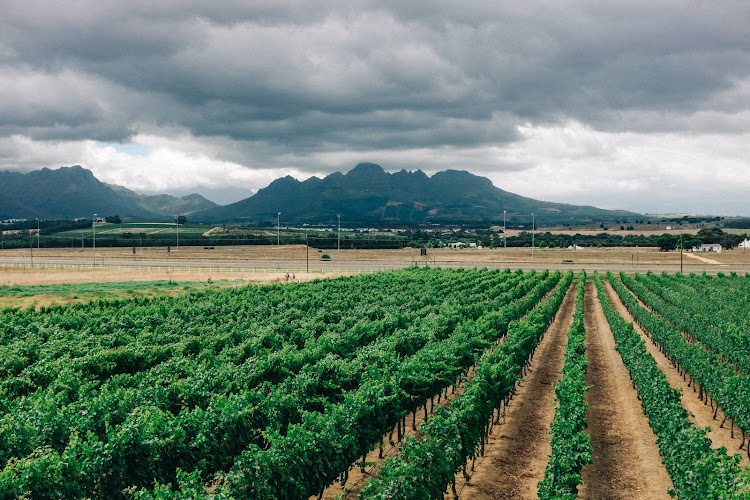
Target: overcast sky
[[640, 104]]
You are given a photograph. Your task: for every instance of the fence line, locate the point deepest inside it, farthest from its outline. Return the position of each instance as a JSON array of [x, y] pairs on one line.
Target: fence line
[[355, 269], [197, 269]]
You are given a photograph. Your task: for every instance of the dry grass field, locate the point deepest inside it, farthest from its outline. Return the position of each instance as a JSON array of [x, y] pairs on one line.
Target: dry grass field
[[191, 267], [626, 459], [193, 263]]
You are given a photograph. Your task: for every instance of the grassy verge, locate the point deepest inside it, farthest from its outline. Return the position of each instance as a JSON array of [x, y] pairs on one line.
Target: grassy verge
[[46, 295]]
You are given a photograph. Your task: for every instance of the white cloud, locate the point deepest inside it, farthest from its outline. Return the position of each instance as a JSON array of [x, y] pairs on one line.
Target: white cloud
[[172, 165], [662, 172], [640, 105]]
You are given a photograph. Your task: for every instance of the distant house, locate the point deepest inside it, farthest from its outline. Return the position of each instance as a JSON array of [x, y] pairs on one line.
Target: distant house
[[458, 244], [710, 247], [575, 247], [744, 244]]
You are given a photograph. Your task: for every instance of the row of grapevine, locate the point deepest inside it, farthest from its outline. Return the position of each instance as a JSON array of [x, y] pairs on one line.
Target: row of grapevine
[[90, 422], [571, 445], [314, 453], [697, 471], [424, 469], [717, 380], [708, 308], [193, 378], [116, 398], [102, 340]]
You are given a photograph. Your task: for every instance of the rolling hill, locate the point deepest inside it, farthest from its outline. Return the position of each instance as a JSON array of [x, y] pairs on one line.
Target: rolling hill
[[71, 192], [368, 194]]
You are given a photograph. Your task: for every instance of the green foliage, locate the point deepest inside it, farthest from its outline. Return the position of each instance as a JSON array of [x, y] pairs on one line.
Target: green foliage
[[697, 471], [714, 234], [428, 466], [316, 451], [728, 388], [668, 242], [571, 445], [189, 487], [115, 286], [710, 234], [283, 386], [711, 309]]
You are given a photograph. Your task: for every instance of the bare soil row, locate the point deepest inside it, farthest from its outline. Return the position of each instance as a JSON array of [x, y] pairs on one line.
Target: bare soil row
[[355, 479], [517, 451], [626, 460], [701, 412]]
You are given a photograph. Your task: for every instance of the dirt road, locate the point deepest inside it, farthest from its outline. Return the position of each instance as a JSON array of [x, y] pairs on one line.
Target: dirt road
[[626, 460], [701, 414], [518, 450]]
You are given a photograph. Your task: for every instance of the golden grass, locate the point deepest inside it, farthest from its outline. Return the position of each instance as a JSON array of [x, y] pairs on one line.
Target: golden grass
[[259, 264]]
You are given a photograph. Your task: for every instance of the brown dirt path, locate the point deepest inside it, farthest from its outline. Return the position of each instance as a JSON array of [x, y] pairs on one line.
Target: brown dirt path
[[518, 450], [701, 414], [626, 460], [702, 259]]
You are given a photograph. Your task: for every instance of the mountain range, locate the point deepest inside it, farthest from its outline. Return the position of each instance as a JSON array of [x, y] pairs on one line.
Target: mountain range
[[72, 192], [366, 194], [369, 194]]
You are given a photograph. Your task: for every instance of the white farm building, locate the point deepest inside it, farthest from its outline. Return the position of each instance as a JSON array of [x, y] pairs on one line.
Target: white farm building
[[708, 247]]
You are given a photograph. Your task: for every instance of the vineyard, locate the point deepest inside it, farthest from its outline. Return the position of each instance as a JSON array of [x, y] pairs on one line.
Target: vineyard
[[419, 383]]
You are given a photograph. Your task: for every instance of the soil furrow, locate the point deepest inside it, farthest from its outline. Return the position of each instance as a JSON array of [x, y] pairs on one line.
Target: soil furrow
[[357, 478], [518, 449], [626, 459], [701, 413]]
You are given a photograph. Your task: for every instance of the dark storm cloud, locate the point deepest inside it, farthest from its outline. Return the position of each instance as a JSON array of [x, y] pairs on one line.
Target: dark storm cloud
[[367, 75]]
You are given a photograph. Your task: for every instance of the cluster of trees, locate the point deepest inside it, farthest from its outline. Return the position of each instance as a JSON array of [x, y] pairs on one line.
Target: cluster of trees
[[738, 223], [665, 242], [24, 239], [46, 226], [707, 235], [18, 235]]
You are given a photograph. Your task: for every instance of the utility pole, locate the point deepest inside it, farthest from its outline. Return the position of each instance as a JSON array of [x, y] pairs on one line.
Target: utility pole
[[338, 240], [38, 233], [177, 222], [533, 230], [505, 240], [680, 253], [307, 252], [93, 226], [278, 241]]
